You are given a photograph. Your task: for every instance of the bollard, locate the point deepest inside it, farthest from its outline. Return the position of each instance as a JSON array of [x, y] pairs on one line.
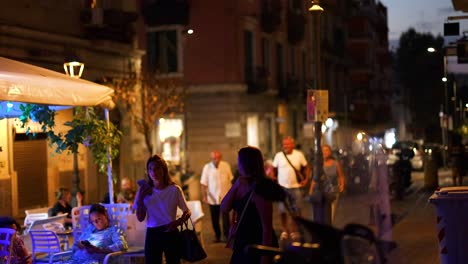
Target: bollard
[[431, 177]]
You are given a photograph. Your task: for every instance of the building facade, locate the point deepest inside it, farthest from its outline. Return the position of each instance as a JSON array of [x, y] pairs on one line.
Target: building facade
[[100, 34]]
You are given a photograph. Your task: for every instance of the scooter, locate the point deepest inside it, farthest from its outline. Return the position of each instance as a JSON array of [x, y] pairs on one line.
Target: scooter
[[401, 173], [354, 244], [324, 244]]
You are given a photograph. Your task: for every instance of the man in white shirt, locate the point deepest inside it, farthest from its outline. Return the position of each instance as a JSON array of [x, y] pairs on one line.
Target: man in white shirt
[[216, 180], [285, 172]]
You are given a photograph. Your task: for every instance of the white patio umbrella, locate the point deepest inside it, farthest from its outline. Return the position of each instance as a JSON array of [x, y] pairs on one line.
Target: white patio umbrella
[[26, 83]]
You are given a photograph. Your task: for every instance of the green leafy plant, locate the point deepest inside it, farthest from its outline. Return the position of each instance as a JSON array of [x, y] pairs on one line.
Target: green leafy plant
[[86, 128]]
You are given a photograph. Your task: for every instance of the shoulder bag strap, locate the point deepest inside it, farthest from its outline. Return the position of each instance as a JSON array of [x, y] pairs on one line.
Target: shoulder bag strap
[[245, 208], [295, 170]]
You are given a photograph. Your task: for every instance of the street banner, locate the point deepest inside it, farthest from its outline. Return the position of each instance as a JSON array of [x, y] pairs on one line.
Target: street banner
[[317, 105]]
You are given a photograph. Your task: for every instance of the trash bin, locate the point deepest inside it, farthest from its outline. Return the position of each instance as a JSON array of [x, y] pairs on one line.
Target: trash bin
[[431, 177], [451, 205]]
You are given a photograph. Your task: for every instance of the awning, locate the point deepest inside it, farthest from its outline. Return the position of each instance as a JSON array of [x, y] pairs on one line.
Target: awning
[[26, 83], [21, 82]]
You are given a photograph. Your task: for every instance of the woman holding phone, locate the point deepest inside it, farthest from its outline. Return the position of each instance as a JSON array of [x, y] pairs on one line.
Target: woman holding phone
[[157, 200]]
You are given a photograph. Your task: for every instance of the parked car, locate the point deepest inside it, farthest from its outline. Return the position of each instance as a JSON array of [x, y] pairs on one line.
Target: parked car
[[417, 161]]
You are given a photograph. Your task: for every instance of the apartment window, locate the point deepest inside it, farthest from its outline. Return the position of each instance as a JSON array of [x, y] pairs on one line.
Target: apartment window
[[249, 55], [163, 51], [266, 50]]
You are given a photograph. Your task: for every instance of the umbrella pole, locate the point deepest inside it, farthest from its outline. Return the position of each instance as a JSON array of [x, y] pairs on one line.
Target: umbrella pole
[[109, 162]]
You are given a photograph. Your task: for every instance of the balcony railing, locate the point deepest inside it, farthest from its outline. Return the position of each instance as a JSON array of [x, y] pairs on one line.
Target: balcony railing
[[165, 12], [109, 24]]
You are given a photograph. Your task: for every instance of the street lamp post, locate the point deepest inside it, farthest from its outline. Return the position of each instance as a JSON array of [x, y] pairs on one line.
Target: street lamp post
[[445, 141], [444, 113], [75, 69], [319, 207]]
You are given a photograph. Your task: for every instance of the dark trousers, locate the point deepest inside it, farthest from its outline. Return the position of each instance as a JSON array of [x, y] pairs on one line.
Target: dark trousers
[[158, 242], [215, 211]]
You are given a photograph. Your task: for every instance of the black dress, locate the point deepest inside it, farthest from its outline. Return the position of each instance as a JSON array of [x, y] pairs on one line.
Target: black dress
[[249, 232]]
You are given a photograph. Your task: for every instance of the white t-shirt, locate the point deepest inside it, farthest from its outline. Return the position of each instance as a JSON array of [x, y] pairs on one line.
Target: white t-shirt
[[161, 205], [286, 175], [218, 180]]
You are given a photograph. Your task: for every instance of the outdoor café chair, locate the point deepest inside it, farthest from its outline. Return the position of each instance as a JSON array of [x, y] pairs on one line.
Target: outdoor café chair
[[46, 247], [60, 231], [118, 216], [6, 239]]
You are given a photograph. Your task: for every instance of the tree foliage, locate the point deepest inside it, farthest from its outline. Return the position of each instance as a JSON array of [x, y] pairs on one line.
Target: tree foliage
[[420, 74], [147, 98], [86, 128]]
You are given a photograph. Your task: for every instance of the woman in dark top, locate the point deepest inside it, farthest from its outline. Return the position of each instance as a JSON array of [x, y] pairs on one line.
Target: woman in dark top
[[256, 226], [62, 206]]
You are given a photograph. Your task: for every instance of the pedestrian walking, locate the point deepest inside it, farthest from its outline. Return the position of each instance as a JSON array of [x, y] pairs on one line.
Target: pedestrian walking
[[251, 199], [156, 201], [332, 184], [292, 172], [216, 179]]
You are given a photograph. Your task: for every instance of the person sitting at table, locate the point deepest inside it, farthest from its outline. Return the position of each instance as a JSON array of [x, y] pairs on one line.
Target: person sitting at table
[[125, 195], [62, 206], [98, 239], [19, 252]]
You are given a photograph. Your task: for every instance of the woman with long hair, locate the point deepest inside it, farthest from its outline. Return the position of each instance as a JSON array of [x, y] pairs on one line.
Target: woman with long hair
[[333, 182], [256, 225], [157, 200]]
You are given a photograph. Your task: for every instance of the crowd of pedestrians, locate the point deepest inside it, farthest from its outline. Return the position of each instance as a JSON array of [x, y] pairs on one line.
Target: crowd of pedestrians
[[246, 200]]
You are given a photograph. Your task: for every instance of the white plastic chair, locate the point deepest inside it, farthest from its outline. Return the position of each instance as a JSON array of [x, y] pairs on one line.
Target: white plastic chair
[[30, 218], [118, 216], [46, 241], [196, 208], [6, 239], [39, 224], [60, 231]]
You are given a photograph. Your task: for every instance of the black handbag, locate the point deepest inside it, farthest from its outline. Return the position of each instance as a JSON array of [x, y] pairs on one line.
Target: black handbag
[[191, 248]]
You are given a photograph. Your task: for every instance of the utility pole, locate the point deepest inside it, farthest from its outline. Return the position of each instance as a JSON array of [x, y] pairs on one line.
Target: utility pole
[[318, 206]]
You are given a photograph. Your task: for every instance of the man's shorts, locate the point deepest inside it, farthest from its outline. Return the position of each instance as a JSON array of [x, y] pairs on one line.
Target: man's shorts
[[297, 194]]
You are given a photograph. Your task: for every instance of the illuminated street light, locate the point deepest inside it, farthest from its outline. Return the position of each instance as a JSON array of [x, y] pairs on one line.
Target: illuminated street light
[[431, 50], [74, 68], [316, 6], [190, 31], [444, 79]]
